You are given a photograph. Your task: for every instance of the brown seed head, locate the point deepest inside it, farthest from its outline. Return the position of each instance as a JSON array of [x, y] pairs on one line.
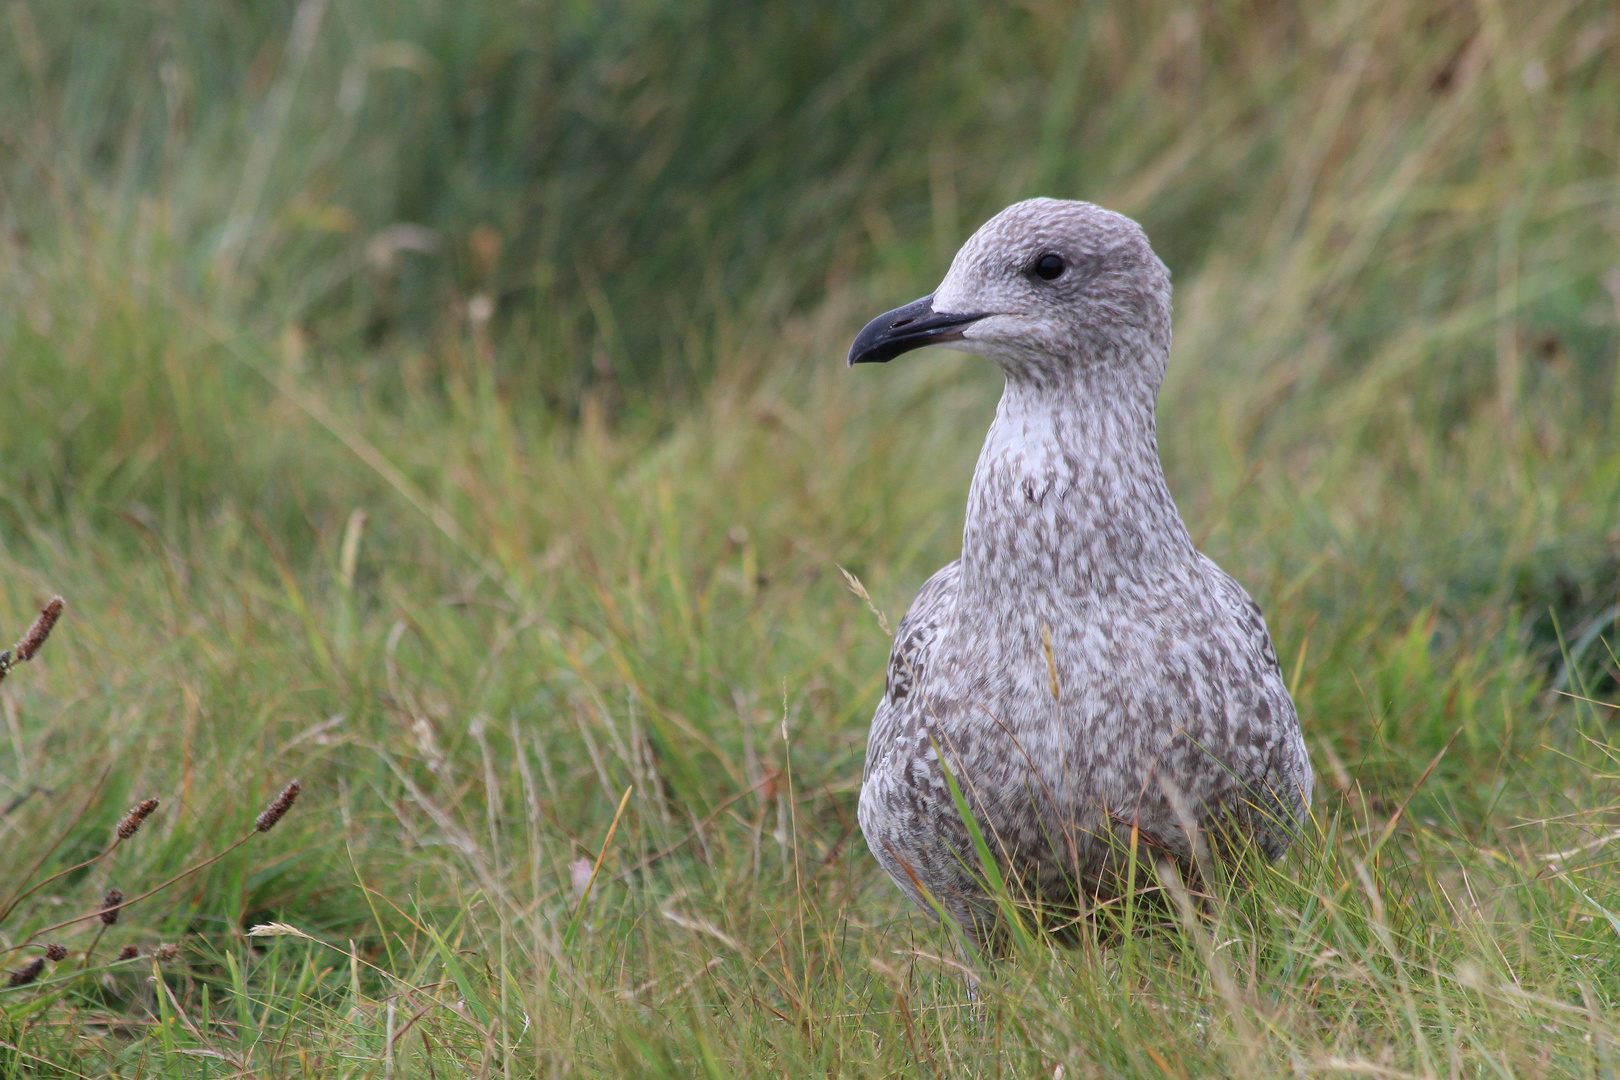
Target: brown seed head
[[167, 953], [129, 952], [109, 905], [31, 641], [273, 813], [27, 973], [55, 952], [132, 820]]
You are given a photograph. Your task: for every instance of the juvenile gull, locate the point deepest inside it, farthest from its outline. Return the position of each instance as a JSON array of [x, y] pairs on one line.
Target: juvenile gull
[[1083, 669]]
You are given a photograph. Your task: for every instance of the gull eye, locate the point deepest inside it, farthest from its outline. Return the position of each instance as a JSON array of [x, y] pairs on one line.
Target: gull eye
[[1050, 266]]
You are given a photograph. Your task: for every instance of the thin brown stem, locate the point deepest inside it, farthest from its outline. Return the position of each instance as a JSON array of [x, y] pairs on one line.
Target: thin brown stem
[[16, 897], [119, 907], [93, 943], [108, 850]]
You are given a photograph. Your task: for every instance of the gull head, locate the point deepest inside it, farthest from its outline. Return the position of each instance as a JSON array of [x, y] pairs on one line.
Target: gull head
[[1051, 290]]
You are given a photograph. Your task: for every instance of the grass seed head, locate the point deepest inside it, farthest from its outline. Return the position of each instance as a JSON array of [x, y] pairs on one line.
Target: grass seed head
[[109, 905], [274, 812], [27, 973], [167, 953], [31, 642], [56, 952], [129, 952], [132, 820]]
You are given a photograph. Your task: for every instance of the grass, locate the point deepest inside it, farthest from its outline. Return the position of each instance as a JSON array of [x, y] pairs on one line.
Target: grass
[[471, 571]]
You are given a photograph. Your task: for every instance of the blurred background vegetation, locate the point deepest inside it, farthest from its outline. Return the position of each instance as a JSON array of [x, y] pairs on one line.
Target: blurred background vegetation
[[621, 180], [425, 397]]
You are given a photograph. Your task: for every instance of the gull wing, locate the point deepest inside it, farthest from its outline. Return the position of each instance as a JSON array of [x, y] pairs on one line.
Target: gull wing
[[1246, 612], [901, 708]]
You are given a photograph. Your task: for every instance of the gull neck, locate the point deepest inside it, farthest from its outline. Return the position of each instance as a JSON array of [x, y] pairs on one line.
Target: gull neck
[[1069, 496]]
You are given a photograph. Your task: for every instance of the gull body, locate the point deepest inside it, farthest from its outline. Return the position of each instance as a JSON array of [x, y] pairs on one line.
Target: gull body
[[1082, 668]]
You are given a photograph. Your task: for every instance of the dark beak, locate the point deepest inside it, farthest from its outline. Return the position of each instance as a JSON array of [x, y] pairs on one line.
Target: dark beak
[[903, 329]]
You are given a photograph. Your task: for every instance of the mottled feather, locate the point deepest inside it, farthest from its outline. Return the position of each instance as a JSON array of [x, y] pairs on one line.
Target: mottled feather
[[1083, 668]]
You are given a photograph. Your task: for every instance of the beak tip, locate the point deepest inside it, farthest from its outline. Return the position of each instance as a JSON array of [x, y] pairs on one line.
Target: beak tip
[[906, 328]]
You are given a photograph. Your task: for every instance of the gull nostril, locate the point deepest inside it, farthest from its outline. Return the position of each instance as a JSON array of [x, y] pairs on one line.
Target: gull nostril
[[898, 323]]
